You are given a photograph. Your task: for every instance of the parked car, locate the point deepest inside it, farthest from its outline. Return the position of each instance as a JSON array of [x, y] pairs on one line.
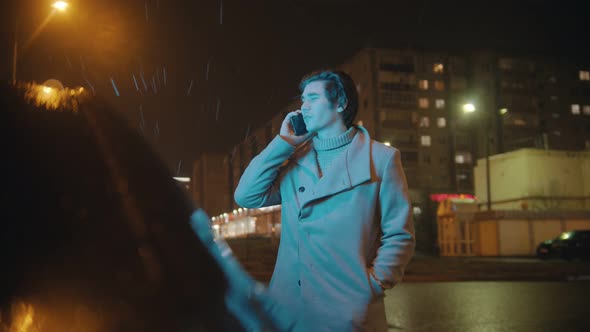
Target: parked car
[[568, 245]]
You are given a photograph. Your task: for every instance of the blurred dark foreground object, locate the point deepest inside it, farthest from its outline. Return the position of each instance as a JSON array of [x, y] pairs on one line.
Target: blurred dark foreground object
[[97, 236]]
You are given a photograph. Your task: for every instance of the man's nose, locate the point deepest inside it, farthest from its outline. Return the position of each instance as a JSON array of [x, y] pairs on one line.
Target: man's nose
[[305, 106]]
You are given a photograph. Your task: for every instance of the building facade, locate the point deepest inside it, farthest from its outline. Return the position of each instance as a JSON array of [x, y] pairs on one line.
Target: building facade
[[536, 180], [211, 183]]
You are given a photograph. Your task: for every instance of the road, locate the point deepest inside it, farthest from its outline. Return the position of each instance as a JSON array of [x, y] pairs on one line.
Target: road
[[489, 306]]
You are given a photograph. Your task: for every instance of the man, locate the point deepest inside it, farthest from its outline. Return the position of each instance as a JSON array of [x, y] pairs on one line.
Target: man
[[347, 230]]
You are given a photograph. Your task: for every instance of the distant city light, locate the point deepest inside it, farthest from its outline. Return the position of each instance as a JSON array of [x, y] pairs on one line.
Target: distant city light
[[182, 179], [387, 143], [503, 111], [52, 97]]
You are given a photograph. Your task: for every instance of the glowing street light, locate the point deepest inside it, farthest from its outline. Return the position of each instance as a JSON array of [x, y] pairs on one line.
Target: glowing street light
[[468, 108], [60, 5]]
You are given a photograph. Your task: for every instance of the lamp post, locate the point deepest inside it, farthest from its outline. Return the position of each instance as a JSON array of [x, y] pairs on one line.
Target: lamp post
[[470, 108], [59, 6], [14, 53]]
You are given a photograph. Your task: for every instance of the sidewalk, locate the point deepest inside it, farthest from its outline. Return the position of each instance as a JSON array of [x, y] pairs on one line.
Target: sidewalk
[[258, 256]]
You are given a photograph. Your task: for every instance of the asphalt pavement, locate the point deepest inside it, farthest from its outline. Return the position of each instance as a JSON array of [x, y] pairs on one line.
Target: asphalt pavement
[[258, 256], [436, 268], [520, 306]]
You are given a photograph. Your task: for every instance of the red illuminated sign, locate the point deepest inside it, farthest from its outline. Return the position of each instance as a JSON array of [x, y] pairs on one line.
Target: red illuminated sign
[[442, 197]]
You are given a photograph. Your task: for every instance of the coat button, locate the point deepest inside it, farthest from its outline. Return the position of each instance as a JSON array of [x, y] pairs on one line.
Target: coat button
[[299, 282], [301, 189]]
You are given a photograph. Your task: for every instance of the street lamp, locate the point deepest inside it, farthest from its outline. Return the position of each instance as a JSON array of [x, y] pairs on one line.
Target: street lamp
[[60, 6], [470, 108]]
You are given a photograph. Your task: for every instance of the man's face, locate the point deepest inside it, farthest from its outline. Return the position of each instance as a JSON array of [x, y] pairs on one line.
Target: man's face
[[318, 111]]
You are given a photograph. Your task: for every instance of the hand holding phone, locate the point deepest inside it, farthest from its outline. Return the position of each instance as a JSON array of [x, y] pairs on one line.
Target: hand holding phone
[[293, 129], [298, 124]]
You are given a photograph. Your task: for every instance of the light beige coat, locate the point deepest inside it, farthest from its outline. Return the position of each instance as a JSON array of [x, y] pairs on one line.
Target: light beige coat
[[345, 236]]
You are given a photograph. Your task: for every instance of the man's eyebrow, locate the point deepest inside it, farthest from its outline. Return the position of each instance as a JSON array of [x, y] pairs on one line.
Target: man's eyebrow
[[311, 94]]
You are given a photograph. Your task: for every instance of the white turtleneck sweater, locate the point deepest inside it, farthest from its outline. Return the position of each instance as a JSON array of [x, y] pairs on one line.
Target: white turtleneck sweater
[[329, 149]]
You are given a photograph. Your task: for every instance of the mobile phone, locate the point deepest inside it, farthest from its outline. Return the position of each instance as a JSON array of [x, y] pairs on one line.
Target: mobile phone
[[298, 125]]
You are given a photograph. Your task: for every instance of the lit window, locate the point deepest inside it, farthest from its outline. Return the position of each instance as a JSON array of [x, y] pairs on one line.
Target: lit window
[[425, 140], [584, 75], [586, 109], [440, 103], [553, 98], [463, 158], [423, 102], [438, 68], [423, 84], [424, 122], [575, 109], [441, 122], [439, 85]]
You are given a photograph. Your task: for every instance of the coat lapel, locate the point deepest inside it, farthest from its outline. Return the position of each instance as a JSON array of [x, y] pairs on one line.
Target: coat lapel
[[349, 170], [307, 157]]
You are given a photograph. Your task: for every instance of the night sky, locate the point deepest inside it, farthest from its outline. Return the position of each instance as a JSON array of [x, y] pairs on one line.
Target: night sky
[[215, 69]]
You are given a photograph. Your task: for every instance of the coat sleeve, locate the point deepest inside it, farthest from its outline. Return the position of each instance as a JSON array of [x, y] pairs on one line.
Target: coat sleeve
[[397, 226], [259, 185]]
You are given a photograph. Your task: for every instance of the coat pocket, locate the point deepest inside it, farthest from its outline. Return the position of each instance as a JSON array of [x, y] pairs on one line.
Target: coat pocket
[[376, 289]]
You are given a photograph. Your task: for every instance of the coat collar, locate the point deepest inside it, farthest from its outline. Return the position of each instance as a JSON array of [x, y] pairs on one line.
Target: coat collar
[[356, 166]]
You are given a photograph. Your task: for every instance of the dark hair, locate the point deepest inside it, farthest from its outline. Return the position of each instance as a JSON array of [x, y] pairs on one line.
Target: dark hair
[[340, 88]]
